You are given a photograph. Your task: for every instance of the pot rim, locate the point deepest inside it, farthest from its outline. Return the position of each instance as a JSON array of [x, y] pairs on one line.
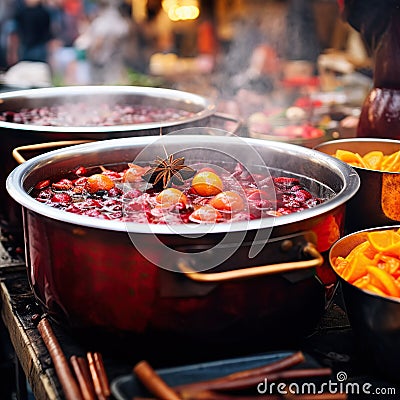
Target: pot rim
[[388, 298], [16, 178], [208, 107]]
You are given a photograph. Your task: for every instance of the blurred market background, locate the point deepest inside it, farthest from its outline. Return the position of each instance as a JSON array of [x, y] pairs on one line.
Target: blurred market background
[[249, 56]]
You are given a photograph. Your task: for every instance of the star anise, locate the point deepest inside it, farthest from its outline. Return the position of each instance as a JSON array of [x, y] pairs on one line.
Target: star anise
[[163, 173]]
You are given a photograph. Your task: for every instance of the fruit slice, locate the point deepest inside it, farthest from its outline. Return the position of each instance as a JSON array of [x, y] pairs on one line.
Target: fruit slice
[[228, 201], [387, 241], [205, 214], [170, 197], [207, 183], [350, 158], [357, 268], [383, 281], [391, 163], [374, 159]]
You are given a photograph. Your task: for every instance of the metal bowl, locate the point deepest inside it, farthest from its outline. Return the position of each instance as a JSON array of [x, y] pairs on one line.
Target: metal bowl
[[87, 271], [376, 202], [374, 319]]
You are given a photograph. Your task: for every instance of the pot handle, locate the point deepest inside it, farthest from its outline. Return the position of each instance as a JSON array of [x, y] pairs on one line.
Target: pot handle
[[230, 118], [42, 146], [251, 272]]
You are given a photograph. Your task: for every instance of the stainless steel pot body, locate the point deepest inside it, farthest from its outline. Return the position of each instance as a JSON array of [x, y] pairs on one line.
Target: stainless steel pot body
[[15, 135], [374, 319], [376, 202], [92, 273]]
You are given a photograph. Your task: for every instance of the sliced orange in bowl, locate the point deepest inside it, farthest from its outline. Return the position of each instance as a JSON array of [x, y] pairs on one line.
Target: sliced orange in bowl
[[357, 268], [387, 241], [391, 163], [374, 159], [350, 158], [383, 281]]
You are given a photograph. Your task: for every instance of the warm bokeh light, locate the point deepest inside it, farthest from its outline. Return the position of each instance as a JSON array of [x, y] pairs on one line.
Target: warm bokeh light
[[181, 10]]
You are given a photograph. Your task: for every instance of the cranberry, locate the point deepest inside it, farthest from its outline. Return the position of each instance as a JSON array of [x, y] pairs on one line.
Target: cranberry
[[9, 116], [81, 171], [42, 184], [92, 213], [80, 181], [45, 194], [92, 203], [134, 206], [61, 198], [132, 194], [286, 182], [73, 209], [63, 184], [302, 195], [115, 192]]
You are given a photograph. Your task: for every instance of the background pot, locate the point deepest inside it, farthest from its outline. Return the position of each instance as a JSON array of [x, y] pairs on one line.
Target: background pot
[[374, 319], [377, 201], [87, 273], [15, 135]]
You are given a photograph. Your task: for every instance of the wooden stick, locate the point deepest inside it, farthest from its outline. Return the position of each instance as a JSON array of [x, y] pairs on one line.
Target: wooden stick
[[81, 369], [105, 385], [96, 377], [64, 373], [284, 363], [153, 382], [249, 381]]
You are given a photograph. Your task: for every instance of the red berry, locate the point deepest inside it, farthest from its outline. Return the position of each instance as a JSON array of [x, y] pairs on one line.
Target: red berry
[[42, 184], [61, 198]]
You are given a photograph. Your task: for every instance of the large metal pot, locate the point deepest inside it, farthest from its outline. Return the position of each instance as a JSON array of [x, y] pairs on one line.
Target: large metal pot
[[87, 272], [15, 135]]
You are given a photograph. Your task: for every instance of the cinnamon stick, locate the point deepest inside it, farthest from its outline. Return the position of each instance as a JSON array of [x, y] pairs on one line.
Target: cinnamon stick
[[81, 369], [283, 363], [153, 382], [250, 381], [64, 373], [98, 376], [105, 385]]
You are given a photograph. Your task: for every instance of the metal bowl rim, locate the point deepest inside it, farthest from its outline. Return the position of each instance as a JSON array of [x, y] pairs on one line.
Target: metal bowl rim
[[14, 185], [209, 107]]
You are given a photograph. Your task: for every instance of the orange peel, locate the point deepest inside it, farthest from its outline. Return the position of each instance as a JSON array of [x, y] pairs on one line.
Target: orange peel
[[373, 264]]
